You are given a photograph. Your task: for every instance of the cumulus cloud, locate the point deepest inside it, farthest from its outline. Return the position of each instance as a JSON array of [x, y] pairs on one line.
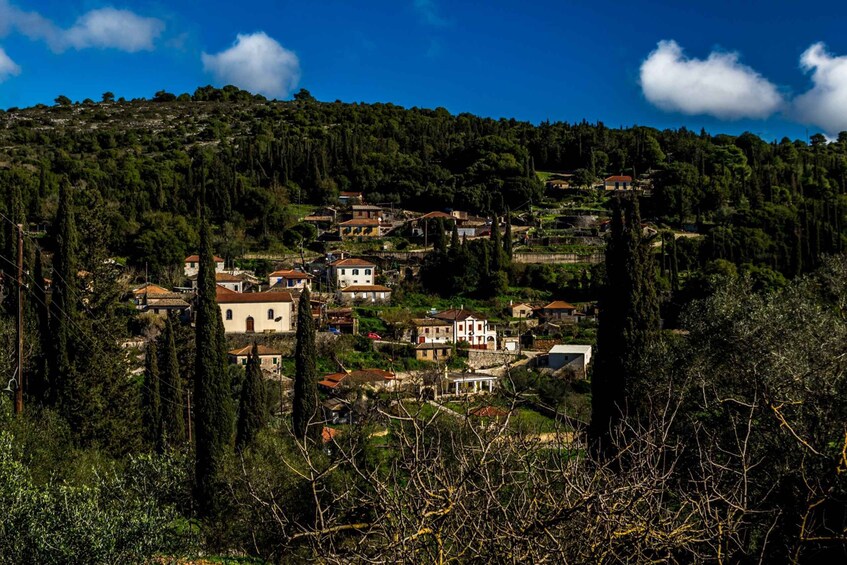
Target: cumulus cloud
[[258, 63], [8, 67], [105, 28], [719, 85], [825, 104]]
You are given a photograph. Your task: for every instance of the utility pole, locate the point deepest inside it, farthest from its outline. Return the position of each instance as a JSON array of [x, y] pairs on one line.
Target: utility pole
[[19, 353]]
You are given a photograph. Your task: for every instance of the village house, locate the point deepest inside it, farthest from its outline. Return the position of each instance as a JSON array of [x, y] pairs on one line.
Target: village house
[[192, 265], [431, 330], [364, 293], [366, 212], [290, 279], [433, 352], [618, 182], [259, 312], [520, 310], [164, 304], [270, 360], [578, 356], [347, 272], [337, 383], [558, 311], [468, 383], [342, 320], [470, 328], [226, 280], [359, 229], [346, 198], [147, 290]]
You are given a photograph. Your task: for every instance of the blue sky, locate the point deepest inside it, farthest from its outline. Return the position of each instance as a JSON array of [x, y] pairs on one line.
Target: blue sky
[[773, 68]]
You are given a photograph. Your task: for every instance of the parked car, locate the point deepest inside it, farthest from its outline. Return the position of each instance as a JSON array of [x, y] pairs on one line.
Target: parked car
[[374, 335], [335, 331]]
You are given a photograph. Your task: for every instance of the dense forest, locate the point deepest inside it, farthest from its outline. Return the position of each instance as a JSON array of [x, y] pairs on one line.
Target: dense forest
[[779, 205], [717, 428]]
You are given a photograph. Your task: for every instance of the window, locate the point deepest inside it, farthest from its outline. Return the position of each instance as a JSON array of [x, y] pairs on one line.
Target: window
[[270, 314], [244, 361], [461, 328], [479, 327], [355, 271], [229, 314], [276, 361], [426, 330], [367, 271], [191, 265], [342, 271]]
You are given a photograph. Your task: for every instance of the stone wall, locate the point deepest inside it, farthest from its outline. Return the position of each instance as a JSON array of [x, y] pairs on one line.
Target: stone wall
[[480, 358]]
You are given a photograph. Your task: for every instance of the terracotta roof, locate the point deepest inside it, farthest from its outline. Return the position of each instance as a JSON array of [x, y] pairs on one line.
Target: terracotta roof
[[196, 259], [365, 207], [263, 350], [352, 262], [150, 288], [366, 288], [431, 345], [421, 322], [361, 222], [351, 194], [619, 178], [167, 303], [453, 315], [226, 277], [252, 297], [560, 305], [328, 434], [435, 215], [488, 412], [332, 381], [290, 274]]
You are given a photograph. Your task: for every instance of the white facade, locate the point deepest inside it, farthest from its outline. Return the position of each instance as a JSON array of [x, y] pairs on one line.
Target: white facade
[[366, 293], [192, 265], [353, 272], [476, 331], [561, 355], [290, 279], [261, 314]]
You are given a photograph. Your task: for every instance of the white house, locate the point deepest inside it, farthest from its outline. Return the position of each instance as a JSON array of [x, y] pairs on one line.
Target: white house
[[470, 328], [349, 272], [226, 280], [269, 359], [618, 182], [290, 279], [259, 312], [192, 265], [364, 293], [561, 355], [431, 330]]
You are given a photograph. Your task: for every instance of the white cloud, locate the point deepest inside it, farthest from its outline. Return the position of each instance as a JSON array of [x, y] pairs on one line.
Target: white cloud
[[258, 63], [825, 104], [106, 28], [8, 67], [719, 86]]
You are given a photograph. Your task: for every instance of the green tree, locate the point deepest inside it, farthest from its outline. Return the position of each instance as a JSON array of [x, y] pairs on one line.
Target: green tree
[[62, 100], [629, 321], [63, 304], [507, 238], [151, 412], [213, 413], [172, 430], [305, 409], [253, 410], [108, 97]]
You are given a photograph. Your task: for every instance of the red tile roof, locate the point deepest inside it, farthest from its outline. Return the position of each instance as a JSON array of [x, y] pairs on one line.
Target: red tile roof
[[488, 412], [368, 222], [453, 315], [560, 305], [252, 297], [352, 262], [366, 288], [435, 215], [290, 274], [619, 178], [328, 434], [196, 259]]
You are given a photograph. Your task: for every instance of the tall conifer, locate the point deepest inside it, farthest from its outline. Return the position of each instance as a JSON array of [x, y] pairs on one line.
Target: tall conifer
[[507, 238], [253, 410], [63, 303], [40, 382], [213, 409], [151, 414], [629, 320], [496, 246], [305, 409], [172, 428]]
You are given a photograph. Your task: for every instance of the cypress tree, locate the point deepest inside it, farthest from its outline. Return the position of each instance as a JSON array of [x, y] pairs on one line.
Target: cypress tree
[[63, 305], [213, 409], [305, 409], [629, 320], [40, 383], [440, 244], [496, 247], [454, 239], [172, 428], [253, 410], [507, 239], [151, 400]]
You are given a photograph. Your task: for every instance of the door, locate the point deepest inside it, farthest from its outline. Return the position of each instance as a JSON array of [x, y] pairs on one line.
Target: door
[[421, 339], [250, 327]]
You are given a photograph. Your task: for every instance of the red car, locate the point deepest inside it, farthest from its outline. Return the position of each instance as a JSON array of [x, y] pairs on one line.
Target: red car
[[373, 335]]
